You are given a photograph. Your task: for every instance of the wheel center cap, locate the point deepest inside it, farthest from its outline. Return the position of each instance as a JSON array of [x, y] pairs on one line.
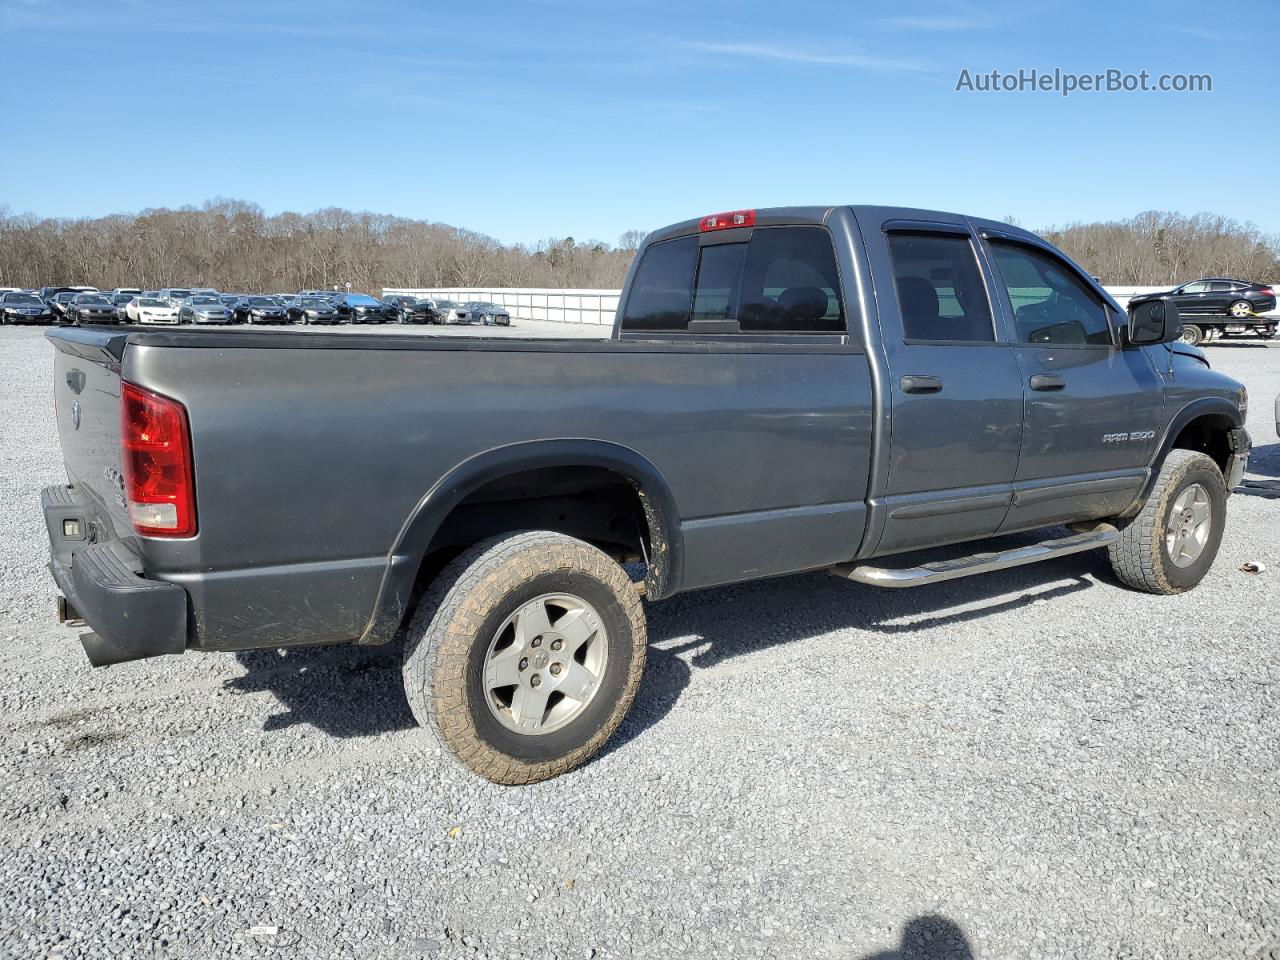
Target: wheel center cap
[[539, 660]]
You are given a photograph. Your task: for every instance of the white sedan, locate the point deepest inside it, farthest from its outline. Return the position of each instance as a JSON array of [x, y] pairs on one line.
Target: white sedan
[[150, 310]]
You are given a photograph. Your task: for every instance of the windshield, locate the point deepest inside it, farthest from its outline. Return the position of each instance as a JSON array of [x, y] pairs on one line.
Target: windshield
[[93, 298], [152, 302], [446, 304], [21, 298], [481, 305], [363, 299], [314, 303], [206, 301], [261, 302], [65, 297]]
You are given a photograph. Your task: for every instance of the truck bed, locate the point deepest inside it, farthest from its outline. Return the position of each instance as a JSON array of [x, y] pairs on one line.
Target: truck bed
[[314, 451]]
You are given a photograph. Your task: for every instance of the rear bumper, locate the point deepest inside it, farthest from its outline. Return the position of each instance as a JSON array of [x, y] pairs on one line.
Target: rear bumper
[[131, 617]]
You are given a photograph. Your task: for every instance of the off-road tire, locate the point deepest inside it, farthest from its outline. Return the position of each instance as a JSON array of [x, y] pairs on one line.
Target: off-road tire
[[1140, 558], [449, 636]]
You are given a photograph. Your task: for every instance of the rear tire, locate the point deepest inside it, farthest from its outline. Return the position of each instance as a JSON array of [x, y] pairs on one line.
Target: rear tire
[[1191, 334], [1241, 310], [1164, 548], [477, 628]]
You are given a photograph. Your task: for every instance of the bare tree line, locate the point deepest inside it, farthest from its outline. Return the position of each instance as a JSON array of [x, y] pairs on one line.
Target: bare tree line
[[233, 245], [1163, 249]]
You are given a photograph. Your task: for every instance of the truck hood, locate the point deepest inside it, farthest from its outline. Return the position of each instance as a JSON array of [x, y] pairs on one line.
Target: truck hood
[[1187, 350]]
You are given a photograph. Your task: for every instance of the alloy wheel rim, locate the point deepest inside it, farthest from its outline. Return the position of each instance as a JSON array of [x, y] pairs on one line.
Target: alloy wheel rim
[[545, 664], [1240, 310], [1190, 522]]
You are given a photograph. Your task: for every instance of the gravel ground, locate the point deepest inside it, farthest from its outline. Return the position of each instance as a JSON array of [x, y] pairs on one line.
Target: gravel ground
[[1031, 764]]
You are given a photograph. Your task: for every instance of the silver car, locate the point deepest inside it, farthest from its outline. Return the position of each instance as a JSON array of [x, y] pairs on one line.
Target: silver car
[[203, 308]]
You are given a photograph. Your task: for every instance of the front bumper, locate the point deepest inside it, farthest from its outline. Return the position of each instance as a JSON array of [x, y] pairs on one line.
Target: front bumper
[[1241, 447], [131, 617]]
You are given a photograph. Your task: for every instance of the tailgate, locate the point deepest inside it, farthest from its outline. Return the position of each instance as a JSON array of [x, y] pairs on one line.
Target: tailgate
[[86, 394]]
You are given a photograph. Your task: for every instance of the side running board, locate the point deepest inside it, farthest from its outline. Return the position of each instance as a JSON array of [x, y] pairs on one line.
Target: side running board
[[939, 570]]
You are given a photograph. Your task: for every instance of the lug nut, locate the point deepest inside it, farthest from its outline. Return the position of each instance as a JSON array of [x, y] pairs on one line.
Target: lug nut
[[555, 669], [524, 663], [535, 680], [557, 644], [537, 642]]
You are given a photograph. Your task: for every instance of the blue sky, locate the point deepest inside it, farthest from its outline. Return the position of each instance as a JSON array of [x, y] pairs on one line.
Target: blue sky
[[590, 117]]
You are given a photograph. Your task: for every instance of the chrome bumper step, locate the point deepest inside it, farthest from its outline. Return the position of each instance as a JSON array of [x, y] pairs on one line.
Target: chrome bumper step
[[939, 570]]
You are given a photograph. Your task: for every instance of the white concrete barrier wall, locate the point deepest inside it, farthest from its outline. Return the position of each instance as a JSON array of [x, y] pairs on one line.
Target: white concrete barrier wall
[[593, 307], [597, 307]]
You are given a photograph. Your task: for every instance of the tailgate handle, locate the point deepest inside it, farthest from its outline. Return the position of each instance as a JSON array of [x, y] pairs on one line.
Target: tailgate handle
[[918, 384], [1042, 381]]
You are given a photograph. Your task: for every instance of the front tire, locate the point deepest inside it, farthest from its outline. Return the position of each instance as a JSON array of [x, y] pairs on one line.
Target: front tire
[[1170, 544], [525, 655]]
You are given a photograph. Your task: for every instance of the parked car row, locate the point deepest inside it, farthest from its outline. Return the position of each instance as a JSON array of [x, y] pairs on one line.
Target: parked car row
[[197, 305]]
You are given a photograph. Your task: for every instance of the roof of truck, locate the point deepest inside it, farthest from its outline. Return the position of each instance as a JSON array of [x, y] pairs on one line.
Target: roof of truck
[[867, 213]]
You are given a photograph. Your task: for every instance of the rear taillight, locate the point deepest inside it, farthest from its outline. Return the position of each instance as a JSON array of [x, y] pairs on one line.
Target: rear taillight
[[1267, 292], [727, 221], [159, 483]]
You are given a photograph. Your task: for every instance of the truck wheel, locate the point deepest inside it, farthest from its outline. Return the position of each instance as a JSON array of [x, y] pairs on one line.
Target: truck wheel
[[1191, 334], [1241, 309], [525, 655], [1169, 545]]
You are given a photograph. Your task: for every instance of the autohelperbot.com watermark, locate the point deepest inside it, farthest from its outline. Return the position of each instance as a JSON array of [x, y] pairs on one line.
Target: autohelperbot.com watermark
[[1065, 82]]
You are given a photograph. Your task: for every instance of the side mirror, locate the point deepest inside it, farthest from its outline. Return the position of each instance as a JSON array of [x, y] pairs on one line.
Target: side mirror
[[1153, 320]]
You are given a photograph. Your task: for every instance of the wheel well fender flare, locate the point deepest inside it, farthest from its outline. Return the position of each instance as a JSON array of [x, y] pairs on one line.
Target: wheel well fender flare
[[1203, 407], [415, 536]]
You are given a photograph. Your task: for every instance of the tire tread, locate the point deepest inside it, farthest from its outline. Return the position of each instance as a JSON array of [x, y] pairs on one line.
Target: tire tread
[[444, 626], [1137, 557]]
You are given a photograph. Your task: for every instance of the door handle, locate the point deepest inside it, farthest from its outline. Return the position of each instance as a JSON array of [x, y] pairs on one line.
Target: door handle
[[1042, 381], [918, 384]]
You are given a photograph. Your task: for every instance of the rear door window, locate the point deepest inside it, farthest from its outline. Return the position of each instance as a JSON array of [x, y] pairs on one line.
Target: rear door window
[[940, 288], [662, 290]]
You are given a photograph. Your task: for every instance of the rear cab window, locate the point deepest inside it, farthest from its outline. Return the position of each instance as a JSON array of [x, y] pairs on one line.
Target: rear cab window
[[782, 280]]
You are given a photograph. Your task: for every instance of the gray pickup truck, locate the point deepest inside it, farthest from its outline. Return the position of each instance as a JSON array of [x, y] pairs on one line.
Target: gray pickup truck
[[785, 390]]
